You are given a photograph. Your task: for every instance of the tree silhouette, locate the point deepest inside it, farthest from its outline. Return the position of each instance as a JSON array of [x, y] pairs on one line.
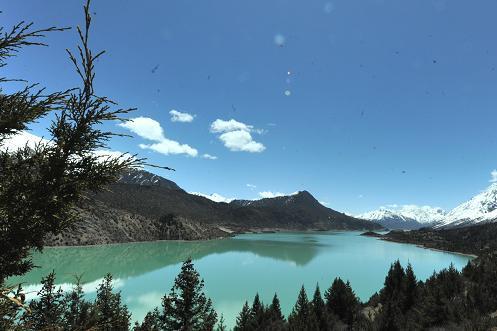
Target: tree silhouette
[[40, 184], [186, 308]]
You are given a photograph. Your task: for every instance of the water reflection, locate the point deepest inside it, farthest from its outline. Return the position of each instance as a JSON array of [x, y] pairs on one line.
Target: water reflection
[[130, 260], [235, 269]]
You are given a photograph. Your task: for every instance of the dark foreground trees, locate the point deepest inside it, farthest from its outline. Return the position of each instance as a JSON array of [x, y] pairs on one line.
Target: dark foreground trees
[[39, 184], [448, 300]]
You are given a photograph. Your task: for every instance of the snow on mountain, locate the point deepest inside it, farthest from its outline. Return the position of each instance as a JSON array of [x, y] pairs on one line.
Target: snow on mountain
[[391, 219], [423, 214], [481, 208], [214, 197], [381, 214], [420, 214]]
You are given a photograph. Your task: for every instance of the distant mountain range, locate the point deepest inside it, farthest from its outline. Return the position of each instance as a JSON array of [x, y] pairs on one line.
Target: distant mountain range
[[480, 209], [142, 206], [407, 217]]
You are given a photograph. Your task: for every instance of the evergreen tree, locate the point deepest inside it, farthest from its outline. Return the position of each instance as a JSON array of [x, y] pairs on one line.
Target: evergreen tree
[[275, 318], [209, 317], [390, 317], [111, 314], [221, 326], [46, 311], [39, 185], [410, 288], [319, 310], [151, 322], [186, 308], [274, 310], [301, 317], [78, 313], [342, 301], [244, 318], [394, 281], [257, 313]]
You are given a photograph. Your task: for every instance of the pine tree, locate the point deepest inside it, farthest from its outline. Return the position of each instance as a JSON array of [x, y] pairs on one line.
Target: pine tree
[[39, 185], [390, 317], [244, 318], [151, 322], [301, 317], [275, 318], [257, 313], [274, 310], [342, 301], [319, 310], [47, 311], [78, 313], [394, 282], [186, 307], [221, 326], [410, 288], [111, 313]]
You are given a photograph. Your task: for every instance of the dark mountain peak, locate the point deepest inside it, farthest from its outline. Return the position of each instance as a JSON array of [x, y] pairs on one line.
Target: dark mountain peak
[[297, 198], [145, 178], [305, 196]]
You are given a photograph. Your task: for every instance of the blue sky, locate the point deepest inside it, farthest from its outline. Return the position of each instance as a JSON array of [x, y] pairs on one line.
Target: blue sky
[[390, 102]]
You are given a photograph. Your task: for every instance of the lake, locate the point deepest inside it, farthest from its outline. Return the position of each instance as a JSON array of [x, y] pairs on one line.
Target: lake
[[235, 269]]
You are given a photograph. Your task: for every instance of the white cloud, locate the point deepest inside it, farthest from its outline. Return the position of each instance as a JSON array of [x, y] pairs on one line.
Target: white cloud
[[324, 203], [241, 141], [24, 138], [251, 186], [236, 136], [177, 116], [493, 178], [209, 157], [214, 197], [168, 147], [145, 127], [269, 194], [150, 129], [219, 126]]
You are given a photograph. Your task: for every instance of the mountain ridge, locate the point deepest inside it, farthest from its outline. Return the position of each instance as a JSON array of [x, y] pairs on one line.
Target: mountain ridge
[[480, 209], [145, 207]]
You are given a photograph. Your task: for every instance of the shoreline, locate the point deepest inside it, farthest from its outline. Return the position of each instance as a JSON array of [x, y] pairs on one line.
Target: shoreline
[[230, 235], [234, 233], [474, 256]]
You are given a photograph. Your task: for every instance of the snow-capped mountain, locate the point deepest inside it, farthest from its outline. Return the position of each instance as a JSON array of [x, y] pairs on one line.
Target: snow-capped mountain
[[481, 208], [390, 219], [406, 217]]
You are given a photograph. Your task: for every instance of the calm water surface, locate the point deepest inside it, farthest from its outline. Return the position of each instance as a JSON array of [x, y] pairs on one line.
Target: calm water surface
[[235, 269]]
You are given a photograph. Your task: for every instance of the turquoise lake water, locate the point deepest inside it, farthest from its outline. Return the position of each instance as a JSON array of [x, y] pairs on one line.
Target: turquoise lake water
[[236, 269]]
